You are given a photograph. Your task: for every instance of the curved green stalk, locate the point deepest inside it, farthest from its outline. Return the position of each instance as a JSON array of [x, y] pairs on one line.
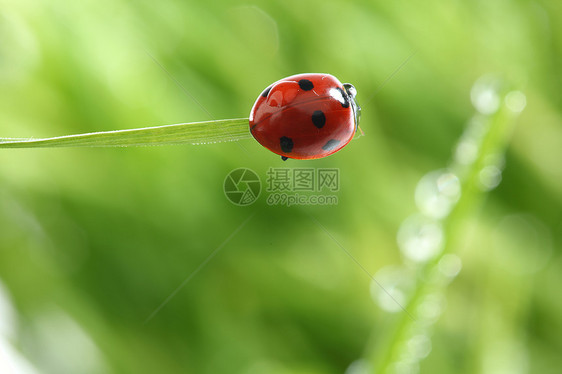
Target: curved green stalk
[[491, 145], [183, 133]]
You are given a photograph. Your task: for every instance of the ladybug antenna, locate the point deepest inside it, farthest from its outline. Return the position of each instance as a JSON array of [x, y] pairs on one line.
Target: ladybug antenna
[[381, 86]]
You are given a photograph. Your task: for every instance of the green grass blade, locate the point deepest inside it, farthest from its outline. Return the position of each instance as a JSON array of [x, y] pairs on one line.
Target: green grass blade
[[183, 133], [491, 145]]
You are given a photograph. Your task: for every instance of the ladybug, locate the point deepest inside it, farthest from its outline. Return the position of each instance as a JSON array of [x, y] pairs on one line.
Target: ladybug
[[305, 116]]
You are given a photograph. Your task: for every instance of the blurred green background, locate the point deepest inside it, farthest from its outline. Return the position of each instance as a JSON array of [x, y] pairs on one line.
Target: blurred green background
[[94, 241]]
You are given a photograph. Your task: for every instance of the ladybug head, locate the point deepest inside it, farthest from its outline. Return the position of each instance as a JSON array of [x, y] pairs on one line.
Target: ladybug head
[[352, 93]]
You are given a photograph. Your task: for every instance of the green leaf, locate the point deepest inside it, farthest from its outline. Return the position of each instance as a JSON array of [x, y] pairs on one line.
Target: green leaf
[[183, 133]]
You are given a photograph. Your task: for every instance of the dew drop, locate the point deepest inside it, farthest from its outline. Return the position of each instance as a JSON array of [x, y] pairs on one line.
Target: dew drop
[[490, 177], [405, 367], [466, 151], [419, 346], [437, 192], [516, 101], [420, 238], [450, 265], [431, 308], [390, 288], [484, 95]]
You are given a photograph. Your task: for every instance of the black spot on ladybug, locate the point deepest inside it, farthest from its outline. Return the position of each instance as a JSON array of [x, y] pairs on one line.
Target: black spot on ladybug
[[319, 119], [266, 91], [306, 85], [344, 99], [331, 144], [286, 144]]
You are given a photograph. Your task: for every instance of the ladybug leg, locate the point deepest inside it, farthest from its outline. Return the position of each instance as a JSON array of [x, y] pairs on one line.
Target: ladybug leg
[[284, 158]]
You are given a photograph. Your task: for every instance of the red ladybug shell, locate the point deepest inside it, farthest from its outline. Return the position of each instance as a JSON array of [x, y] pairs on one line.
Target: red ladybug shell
[[305, 116]]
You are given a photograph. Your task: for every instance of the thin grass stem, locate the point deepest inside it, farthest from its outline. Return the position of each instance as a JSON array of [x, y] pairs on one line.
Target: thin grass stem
[[183, 133]]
